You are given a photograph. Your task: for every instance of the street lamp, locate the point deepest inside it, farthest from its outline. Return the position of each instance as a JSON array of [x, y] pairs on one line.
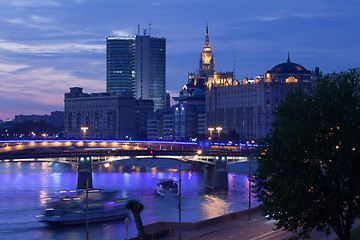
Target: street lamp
[[219, 129], [44, 135], [84, 129], [211, 130], [249, 187], [179, 203]]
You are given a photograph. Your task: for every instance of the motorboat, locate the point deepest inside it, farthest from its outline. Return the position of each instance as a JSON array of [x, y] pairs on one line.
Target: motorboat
[[166, 187], [72, 207]]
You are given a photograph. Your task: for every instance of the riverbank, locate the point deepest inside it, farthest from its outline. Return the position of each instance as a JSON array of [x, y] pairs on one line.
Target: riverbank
[[231, 226], [170, 230]]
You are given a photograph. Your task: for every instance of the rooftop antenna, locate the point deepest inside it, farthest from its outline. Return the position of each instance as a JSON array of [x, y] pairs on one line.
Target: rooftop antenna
[[149, 27], [138, 29], [144, 31], [234, 66]]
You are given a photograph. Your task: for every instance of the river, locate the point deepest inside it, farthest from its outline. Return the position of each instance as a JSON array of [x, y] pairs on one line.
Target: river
[[24, 186]]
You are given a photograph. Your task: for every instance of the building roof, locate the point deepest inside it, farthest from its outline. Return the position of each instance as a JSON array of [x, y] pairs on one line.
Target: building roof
[[288, 68], [198, 93]]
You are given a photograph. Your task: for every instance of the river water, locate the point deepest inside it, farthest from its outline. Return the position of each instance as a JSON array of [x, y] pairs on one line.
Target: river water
[[24, 186]]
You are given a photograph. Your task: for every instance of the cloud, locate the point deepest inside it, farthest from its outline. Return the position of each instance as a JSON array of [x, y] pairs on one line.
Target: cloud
[[120, 33], [34, 22], [40, 19], [156, 3], [31, 3], [14, 20], [11, 68], [43, 86], [50, 49], [290, 14]]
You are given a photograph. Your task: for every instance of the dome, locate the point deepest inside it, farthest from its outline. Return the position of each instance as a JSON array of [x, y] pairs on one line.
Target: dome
[[198, 93], [288, 68]]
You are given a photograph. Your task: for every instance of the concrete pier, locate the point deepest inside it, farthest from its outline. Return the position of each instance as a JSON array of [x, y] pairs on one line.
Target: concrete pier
[[216, 176]]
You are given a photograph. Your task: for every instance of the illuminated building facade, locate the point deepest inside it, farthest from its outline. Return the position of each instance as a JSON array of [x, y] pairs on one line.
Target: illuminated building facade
[[189, 115], [207, 61], [107, 115], [138, 65], [186, 119], [246, 107]]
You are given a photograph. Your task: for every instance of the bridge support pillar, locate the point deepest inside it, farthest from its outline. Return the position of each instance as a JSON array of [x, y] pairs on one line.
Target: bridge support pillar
[[84, 172], [216, 176], [209, 172]]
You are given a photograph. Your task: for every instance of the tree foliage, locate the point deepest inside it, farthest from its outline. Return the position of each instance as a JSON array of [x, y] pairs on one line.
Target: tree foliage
[[308, 175]]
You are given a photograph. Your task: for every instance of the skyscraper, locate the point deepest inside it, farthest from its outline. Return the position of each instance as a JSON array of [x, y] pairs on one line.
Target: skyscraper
[[139, 65], [150, 69], [120, 64]]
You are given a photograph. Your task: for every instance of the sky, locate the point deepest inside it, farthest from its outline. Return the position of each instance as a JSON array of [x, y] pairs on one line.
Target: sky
[[48, 46]]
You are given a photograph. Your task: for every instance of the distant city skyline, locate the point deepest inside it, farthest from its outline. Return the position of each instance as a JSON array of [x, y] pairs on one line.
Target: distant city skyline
[[46, 47]]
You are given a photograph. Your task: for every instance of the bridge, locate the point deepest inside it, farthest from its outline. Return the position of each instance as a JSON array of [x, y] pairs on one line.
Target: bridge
[[88, 153]]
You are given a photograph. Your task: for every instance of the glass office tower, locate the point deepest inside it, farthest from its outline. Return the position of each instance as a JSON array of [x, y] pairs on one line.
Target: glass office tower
[[138, 64], [150, 69], [120, 64]]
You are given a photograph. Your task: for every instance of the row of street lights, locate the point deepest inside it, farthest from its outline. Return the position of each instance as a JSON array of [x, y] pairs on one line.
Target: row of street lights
[[219, 129]]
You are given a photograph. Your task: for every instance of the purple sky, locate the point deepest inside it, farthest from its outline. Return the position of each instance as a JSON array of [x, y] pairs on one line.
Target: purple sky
[[47, 46]]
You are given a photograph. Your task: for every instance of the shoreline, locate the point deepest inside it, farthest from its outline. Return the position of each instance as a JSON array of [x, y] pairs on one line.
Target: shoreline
[[165, 230]]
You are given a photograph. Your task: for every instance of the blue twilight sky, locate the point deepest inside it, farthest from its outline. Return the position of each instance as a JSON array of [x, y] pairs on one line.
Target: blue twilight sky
[[47, 46]]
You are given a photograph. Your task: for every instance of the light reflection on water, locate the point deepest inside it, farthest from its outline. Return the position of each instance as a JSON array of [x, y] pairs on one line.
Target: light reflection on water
[[214, 206], [24, 187]]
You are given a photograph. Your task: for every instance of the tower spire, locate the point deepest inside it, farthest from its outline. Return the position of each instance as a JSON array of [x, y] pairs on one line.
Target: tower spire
[[288, 60], [207, 62], [207, 42]]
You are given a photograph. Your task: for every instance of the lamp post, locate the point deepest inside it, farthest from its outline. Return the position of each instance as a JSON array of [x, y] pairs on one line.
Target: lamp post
[[84, 129], [219, 129], [249, 187], [44, 135], [179, 200], [87, 206], [211, 130]]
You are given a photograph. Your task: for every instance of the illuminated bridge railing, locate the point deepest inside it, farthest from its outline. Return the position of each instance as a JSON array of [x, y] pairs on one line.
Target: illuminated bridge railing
[[94, 140]]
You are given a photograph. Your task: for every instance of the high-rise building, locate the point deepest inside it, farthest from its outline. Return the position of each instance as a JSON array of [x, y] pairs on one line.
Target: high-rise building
[[150, 69], [120, 64], [139, 65]]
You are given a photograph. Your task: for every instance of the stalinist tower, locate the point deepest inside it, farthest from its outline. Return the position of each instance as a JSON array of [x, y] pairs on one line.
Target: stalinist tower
[[207, 62]]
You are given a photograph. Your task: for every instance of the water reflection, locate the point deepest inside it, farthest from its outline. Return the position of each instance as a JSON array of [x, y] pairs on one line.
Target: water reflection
[[214, 206], [24, 187]]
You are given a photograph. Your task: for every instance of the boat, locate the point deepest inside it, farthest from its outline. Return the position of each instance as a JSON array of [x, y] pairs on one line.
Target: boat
[[166, 187], [69, 208]]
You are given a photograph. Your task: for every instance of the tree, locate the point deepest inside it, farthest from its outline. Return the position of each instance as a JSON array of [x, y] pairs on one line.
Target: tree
[[308, 175], [136, 207]]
